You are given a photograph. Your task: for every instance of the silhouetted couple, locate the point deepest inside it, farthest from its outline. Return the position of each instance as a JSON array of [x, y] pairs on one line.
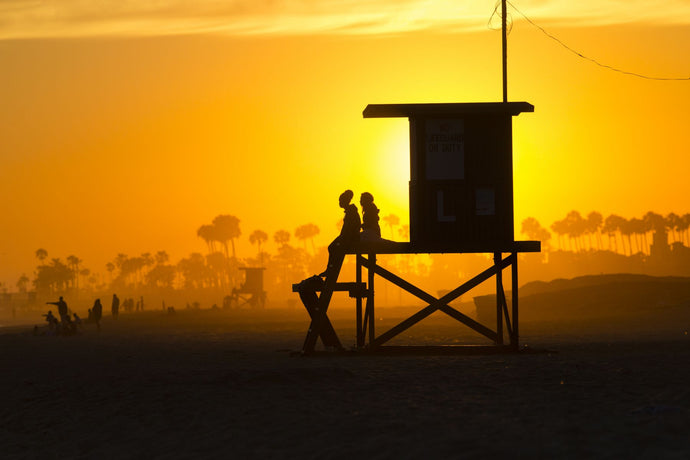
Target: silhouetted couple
[[350, 233]]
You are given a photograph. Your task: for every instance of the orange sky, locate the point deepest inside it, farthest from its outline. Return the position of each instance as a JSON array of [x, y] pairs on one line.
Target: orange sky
[[124, 128]]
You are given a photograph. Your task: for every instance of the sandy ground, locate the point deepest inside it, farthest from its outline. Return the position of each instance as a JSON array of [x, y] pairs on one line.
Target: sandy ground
[[216, 385]]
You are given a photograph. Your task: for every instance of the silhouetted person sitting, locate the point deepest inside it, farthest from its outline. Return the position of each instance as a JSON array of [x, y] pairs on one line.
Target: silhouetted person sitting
[[348, 234], [371, 231], [67, 326], [76, 323], [52, 321], [63, 311]]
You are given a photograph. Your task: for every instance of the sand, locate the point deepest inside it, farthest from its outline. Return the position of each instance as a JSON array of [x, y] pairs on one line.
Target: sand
[[205, 384]]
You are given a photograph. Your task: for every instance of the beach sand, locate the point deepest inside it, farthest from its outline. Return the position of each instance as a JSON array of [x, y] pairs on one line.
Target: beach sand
[[213, 384]]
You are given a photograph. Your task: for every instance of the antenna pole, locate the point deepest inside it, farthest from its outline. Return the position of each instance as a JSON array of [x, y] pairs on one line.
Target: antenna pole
[[505, 50]]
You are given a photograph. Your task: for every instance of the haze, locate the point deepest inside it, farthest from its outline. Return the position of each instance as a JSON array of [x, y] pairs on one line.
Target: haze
[[125, 126]]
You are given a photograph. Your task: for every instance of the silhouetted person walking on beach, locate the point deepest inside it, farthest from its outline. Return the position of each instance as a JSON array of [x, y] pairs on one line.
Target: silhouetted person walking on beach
[[115, 306], [97, 312], [371, 231]]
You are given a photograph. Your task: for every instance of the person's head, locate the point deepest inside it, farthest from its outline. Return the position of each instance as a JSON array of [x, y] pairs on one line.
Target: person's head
[[345, 198], [366, 198], [60, 297]]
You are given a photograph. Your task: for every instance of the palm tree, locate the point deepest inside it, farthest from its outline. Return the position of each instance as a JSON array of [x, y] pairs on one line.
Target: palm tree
[[534, 231], [637, 227], [258, 237], [120, 260], [626, 229], [281, 237], [227, 229], [593, 224], [613, 226], [84, 273], [307, 231], [576, 226], [560, 228], [194, 271], [673, 222], [22, 283], [162, 258], [208, 234], [73, 262], [684, 226], [110, 267], [41, 254], [392, 220], [161, 275], [147, 258], [654, 223], [216, 261]]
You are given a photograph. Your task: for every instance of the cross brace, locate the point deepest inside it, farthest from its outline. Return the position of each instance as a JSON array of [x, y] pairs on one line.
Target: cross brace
[[439, 303]]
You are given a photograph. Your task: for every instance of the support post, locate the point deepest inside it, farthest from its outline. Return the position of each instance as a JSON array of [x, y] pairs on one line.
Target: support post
[[514, 340], [504, 43], [499, 301], [370, 301], [360, 330]]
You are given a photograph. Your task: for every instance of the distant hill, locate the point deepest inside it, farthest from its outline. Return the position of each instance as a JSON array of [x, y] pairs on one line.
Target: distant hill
[[596, 296]]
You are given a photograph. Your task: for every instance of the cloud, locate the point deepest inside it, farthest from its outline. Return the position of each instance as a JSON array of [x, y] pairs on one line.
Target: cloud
[[80, 18]]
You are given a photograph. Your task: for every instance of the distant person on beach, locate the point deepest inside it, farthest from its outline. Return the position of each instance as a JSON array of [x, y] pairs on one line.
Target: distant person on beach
[[97, 313], [52, 321], [63, 311], [371, 231], [348, 234], [77, 322], [115, 306]]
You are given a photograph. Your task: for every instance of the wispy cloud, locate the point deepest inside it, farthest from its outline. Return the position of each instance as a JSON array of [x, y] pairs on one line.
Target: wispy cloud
[[78, 18]]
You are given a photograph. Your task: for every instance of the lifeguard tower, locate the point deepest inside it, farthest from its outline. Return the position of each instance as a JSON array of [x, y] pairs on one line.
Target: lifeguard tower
[[251, 292], [461, 201]]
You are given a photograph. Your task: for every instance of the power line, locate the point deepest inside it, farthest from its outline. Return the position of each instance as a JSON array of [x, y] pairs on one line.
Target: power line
[[577, 53]]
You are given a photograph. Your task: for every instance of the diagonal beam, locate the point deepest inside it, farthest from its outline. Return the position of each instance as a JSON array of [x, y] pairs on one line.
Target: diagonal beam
[[469, 322]]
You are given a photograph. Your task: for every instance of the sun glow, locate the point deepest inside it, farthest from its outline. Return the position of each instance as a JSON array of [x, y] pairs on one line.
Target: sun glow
[[392, 160]]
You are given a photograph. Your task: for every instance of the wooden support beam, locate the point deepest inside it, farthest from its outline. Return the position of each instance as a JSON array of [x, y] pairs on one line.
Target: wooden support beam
[[358, 303], [499, 309], [504, 306], [370, 301], [515, 338], [320, 316]]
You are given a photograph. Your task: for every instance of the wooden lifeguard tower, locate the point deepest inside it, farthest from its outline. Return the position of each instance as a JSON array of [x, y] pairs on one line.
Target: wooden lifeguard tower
[[251, 292], [461, 201]]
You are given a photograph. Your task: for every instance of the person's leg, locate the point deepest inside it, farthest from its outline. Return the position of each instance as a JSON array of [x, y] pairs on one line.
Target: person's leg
[[335, 256]]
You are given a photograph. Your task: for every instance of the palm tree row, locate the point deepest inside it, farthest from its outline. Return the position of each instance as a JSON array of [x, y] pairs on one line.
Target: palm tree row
[[615, 233]]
